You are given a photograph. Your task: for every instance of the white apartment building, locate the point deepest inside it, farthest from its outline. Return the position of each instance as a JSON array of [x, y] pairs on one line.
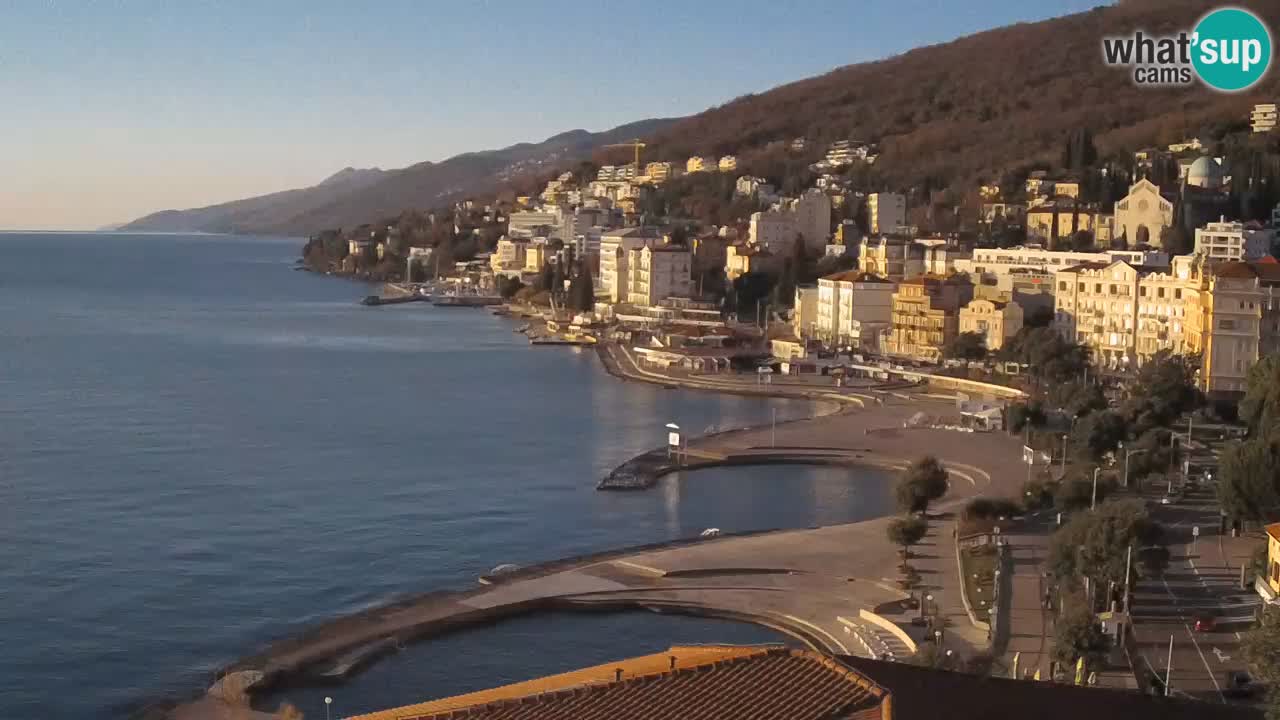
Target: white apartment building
[[772, 230], [752, 187], [1224, 241], [616, 173], [528, 223], [804, 313], [658, 272], [812, 211], [1142, 215], [885, 212], [846, 152], [808, 216], [1263, 117], [853, 308], [1186, 145], [615, 249], [996, 262], [728, 163]]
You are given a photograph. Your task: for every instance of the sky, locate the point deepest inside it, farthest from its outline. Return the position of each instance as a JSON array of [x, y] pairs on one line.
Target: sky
[[111, 110]]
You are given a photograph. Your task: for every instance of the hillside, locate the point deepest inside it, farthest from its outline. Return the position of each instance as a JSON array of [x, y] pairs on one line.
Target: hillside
[[351, 197], [956, 112]]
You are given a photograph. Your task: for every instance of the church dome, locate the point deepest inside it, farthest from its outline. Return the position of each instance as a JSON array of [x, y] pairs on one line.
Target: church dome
[[1205, 172]]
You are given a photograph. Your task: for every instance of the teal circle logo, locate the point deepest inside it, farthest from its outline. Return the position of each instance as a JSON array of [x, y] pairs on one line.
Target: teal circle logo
[[1231, 49]]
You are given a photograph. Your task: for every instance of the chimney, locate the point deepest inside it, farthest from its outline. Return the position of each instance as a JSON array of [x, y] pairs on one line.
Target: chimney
[[673, 662], [617, 675]]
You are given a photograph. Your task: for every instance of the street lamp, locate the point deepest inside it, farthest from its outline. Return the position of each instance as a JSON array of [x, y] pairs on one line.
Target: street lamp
[[673, 439], [1093, 502], [327, 702]]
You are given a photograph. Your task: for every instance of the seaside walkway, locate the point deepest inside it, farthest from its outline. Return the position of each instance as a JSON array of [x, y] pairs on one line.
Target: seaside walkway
[[811, 583]]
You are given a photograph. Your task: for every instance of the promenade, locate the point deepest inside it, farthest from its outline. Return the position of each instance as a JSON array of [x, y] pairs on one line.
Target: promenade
[[811, 583]]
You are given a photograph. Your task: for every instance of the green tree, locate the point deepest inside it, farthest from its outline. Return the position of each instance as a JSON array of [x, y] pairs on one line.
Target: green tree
[[1095, 544], [1249, 480], [1260, 407], [905, 532], [966, 346], [929, 475], [910, 496], [1098, 433], [1261, 647], [1076, 634], [1164, 389]]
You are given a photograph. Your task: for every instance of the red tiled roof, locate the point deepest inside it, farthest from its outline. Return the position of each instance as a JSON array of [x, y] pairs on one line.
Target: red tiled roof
[[764, 683], [1274, 530]]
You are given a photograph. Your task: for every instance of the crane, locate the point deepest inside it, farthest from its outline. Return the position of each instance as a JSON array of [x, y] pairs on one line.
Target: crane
[[637, 144]]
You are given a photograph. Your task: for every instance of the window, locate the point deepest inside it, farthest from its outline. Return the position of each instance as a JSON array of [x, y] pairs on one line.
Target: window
[[1226, 324], [1142, 291], [1097, 288], [1062, 285], [1113, 290], [1159, 292], [1080, 287], [1177, 294]]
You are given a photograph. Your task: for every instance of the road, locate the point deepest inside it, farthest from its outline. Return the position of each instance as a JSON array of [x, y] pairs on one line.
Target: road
[[1202, 577]]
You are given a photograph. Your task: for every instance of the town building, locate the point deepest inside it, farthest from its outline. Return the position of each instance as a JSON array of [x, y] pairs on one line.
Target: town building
[[925, 316], [846, 152], [853, 309], [1059, 219], [741, 258], [891, 258], [1226, 241], [1066, 188], [749, 186], [658, 272], [529, 223], [804, 312], [1191, 145], [1238, 322], [728, 163], [1142, 216], [508, 256], [772, 230], [885, 212], [1263, 117], [989, 192], [808, 217], [659, 172], [1038, 185], [996, 320], [699, 163], [615, 252], [1010, 213]]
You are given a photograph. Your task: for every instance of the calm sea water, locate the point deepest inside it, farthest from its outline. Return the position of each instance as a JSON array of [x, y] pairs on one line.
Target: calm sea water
[[202, 450]]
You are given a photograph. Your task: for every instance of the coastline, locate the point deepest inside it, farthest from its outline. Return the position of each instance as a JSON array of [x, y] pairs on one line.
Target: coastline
[[301, 659]]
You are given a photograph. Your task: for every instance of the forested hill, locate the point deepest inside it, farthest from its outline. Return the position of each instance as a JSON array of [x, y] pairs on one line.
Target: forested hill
[[351, 197], [959, 111]]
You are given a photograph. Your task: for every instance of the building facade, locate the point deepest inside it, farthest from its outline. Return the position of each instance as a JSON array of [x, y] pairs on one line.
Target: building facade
[[925, 316], [1224, 241], [615, 249], [655, 273], [996, 320], [885, 212], [1142, 215], [853, 307]]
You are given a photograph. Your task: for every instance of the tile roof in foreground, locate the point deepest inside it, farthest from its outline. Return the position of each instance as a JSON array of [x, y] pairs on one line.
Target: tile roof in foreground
[[767, 682], [707, 683]]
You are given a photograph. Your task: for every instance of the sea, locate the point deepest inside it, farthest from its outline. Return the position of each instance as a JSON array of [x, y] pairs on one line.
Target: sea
[[203, 449]]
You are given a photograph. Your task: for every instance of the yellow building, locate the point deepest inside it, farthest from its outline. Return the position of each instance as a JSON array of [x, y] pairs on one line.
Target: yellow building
[[1070, 219], [658, 172], [925, 316], [699, 163], [742, 258], [996, 320], [1066, 189], [728, 163], [1269, 586]]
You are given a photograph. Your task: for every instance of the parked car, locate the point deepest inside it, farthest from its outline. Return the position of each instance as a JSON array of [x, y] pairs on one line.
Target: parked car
[[1241, 684]]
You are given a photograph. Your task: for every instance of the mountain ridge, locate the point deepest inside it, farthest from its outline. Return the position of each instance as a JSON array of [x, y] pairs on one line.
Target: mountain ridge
[[352, 196]]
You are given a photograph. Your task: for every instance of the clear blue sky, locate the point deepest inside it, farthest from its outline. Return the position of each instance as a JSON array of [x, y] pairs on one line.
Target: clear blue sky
[[114, 109]]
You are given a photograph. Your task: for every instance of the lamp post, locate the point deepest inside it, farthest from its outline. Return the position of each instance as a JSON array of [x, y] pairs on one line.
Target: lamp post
[[327, 702], [1093, 501], [673, 440], [773, 429]]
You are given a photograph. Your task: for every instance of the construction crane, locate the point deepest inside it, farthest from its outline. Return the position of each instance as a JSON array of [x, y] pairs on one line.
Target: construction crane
[[637, 144]]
